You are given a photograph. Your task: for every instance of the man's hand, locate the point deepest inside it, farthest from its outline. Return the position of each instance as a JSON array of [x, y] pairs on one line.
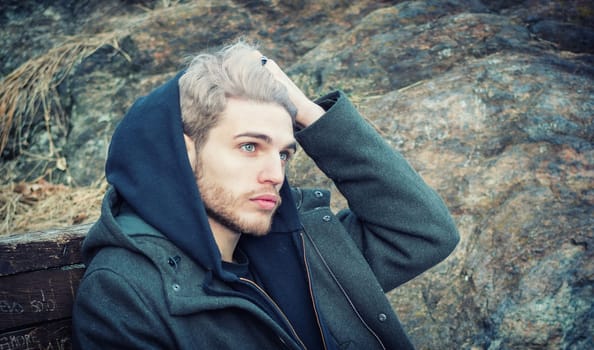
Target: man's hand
[[307, 111]]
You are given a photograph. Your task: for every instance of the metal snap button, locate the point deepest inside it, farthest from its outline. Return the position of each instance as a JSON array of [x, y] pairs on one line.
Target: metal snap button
[[326, 218], [174, 260], [382, 317], [318, 194], [176, 287]]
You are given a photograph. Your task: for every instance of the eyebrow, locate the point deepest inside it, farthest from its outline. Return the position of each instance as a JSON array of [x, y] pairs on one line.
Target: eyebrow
[[292, 146]]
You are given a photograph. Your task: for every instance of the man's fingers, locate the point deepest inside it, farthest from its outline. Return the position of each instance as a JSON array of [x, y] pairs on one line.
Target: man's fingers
[[307, 111]]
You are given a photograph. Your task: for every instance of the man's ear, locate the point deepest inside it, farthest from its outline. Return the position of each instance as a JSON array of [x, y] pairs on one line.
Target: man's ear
[[191, 150]]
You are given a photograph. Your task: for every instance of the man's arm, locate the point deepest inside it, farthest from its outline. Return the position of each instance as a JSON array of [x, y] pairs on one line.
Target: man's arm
[[400, 224]]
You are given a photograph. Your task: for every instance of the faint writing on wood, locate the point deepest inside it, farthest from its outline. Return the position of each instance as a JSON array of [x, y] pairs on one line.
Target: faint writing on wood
[[19, 341], [44, 304], [37, 303], [29, 341], [11, 307]]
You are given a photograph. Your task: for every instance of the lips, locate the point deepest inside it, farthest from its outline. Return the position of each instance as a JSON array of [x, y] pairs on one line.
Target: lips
[[266, 201]]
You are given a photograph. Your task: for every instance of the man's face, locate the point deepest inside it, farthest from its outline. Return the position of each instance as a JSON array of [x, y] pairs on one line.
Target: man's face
[[241, 166]]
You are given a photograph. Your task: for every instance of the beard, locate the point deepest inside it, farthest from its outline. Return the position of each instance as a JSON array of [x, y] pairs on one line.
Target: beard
[[225, 208]]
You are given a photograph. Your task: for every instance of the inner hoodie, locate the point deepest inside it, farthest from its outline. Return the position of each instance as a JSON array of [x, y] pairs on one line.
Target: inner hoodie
[[148, 167]]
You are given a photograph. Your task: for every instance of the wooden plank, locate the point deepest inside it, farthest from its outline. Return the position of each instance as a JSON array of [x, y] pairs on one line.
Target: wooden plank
[[39, 296], [52, 335], [41, 250]]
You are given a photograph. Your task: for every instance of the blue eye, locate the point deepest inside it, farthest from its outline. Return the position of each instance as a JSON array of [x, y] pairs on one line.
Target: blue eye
[[248, 147], [284, 156]]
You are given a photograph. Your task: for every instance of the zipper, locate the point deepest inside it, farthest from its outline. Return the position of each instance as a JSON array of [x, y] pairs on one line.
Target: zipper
[[335, 279], [311, 294], [278, 309]]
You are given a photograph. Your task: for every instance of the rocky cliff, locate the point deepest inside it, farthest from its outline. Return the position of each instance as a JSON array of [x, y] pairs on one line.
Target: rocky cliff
[[491, 101]]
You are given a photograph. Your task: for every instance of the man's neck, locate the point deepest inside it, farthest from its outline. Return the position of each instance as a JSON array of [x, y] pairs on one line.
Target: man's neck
[[225, 238]]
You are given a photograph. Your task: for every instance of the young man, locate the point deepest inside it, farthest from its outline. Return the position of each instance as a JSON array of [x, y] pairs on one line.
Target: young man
[[202, 243]]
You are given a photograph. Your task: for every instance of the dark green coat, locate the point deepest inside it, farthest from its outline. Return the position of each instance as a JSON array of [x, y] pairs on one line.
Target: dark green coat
[[141, 291]]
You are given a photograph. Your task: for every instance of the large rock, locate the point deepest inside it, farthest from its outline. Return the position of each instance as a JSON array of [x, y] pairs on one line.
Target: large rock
[[510, 149], [502, 125], [491, 101]]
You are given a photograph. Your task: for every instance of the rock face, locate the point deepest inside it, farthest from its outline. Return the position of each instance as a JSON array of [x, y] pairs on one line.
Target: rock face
[[491, 101]]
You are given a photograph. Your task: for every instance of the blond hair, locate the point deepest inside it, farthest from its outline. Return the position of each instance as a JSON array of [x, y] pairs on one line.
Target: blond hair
[[212, 78]]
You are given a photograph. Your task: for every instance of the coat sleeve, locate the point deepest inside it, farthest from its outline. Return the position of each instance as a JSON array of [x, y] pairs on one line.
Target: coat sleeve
[[109, 313], [399, 223]]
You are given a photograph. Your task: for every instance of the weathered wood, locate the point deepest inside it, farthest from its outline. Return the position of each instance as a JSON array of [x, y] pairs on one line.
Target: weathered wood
[[49, 335], [39, 296], [41, 250], [39, 276]]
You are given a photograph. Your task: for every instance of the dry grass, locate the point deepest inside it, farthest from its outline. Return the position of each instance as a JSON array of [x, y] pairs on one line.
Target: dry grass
[[30, 92], [25, 93], [42, 205], [31, 88]]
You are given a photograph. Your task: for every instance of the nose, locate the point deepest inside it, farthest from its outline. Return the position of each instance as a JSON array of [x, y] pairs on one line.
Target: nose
[[273, 171]]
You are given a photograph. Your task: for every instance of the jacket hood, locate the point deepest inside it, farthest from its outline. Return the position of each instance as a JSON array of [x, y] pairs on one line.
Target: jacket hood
[[148, 167]]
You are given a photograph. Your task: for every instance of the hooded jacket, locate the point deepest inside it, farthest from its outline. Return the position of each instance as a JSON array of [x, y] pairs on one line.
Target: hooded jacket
[[155, 279]]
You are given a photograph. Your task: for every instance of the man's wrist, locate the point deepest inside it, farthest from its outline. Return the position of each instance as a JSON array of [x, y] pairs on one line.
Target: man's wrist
[[309, 114]]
